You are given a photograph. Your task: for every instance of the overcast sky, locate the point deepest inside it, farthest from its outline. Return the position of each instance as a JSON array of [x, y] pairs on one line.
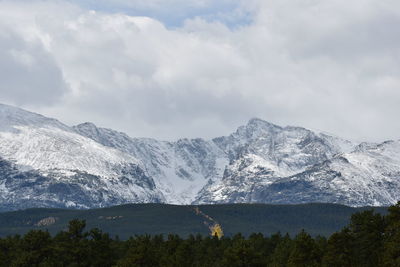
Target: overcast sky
[[200, 68]]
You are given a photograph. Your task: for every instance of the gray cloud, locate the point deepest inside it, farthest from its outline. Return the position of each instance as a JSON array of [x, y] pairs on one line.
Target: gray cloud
[[28, 73], [328, 65]]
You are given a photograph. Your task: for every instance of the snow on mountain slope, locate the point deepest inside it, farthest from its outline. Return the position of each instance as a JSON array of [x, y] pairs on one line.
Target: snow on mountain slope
[[180, 169], [226, 169], [262, 153], [49, 145], [32, 142], [46, 163], [290, 148], [11, 117], [370, 175]]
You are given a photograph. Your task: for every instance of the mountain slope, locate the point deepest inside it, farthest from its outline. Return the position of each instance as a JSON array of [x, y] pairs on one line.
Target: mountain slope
[[265, 163], [225, 169], [262, 153], [370, 175], [44, 163], [180, 169], [49, 164], [296, 165]]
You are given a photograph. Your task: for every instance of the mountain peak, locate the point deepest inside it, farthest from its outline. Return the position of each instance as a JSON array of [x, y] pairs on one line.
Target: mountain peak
[[86, 125], [11, 111], [11, 116], [256, 124], [258, 121]]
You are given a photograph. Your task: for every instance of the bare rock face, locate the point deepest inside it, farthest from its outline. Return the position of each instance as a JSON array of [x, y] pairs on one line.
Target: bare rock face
[[46, 221], [44, 163]]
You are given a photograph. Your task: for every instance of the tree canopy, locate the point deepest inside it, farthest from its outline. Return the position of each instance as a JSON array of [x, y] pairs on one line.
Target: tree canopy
[[370, 239]]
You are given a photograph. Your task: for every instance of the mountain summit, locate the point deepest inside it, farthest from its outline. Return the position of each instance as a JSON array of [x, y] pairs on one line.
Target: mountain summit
[[45, 163]]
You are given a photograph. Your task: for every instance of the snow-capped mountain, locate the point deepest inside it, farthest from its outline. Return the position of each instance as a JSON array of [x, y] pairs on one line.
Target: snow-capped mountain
[[262, 153], [44, 163], [180, 169], [369, 175]]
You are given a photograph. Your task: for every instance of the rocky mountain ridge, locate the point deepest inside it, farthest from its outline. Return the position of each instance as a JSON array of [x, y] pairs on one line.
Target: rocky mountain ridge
[[45, 163]]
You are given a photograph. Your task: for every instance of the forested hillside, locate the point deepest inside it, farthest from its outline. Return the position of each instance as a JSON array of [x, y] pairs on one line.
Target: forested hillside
[[127, 220], [370, 239]]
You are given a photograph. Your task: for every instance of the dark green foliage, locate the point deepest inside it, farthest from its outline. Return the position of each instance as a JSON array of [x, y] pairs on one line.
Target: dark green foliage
[[282, 251], [369, 240], [242, 253], [34, 249], [391, 255], [304, 252], [154, 219], [339, 250], [142, 251], [366, 229]]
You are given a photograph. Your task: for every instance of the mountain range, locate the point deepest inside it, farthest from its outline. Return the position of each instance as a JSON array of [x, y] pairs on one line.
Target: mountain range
[[45, 163]]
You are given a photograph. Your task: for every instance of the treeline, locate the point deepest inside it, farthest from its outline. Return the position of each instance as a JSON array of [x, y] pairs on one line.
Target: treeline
[[369, 240]]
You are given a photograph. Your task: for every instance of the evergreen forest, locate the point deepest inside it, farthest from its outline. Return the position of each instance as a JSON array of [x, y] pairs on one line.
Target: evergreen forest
[[369, 240]]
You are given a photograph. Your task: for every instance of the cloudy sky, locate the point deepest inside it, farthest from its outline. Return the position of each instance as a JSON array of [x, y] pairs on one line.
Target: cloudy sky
[[200, 68]]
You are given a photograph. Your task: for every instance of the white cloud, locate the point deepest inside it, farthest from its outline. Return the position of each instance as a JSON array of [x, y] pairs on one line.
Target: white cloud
[[329, 65]]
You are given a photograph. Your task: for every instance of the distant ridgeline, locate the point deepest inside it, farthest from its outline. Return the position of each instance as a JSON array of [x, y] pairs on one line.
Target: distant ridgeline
[[369, 240]]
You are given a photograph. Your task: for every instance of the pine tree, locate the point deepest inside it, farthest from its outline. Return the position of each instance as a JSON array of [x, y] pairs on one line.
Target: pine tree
[[282, 252], [101, 250], [304, 252], [35, 249], [339, 250], [367, 230], [71, 247], [141, 253], [391, 255], [241, 254]]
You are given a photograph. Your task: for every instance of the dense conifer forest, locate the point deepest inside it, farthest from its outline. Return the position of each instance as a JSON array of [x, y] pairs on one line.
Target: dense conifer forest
[[129, 220], [370, 239]]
